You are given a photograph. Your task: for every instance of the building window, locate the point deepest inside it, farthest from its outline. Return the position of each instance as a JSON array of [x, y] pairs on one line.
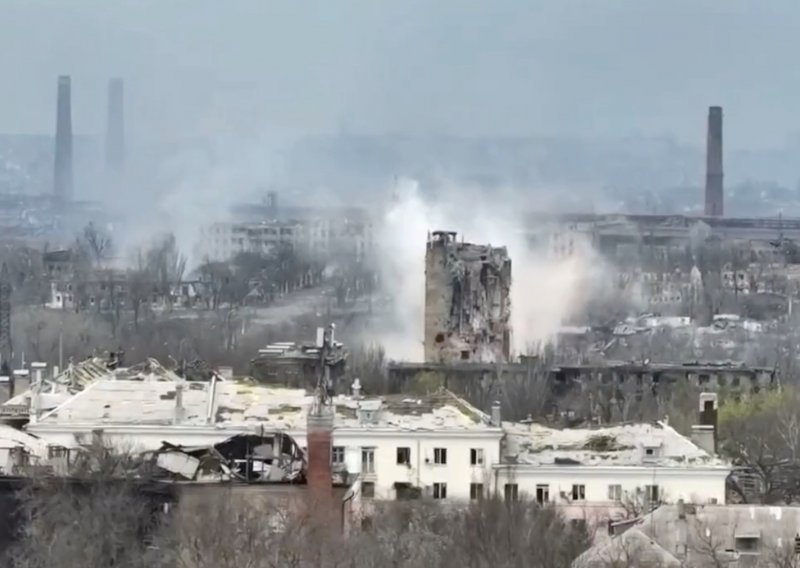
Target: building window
[[57, 452], [405, 491], [440, 456], [578, 492], [367, 460], [615, 493], [476, 491], [651, 493], [440, 491], [542, 494], [511, 491], [403, 456], [476, 456], [748, 544], [337, 455], [367, 489]]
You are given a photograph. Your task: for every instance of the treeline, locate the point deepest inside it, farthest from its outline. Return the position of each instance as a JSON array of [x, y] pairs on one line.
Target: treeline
[[102, 522]]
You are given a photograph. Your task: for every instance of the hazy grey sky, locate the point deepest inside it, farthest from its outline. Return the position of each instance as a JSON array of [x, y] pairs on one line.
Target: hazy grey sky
[[496, 67]]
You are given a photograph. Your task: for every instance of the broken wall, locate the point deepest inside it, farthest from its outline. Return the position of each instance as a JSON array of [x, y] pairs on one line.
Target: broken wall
[[467, 301]]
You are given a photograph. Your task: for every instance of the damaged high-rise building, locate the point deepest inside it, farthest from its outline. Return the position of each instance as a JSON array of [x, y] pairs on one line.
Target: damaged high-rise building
[[467, 301]]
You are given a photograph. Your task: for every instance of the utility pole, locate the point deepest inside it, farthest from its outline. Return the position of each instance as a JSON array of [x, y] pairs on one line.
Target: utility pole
[[5, 316], [5, 329]]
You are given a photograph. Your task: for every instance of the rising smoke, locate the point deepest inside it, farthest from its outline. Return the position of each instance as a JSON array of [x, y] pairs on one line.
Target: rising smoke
[[546, 290], [191, 187]]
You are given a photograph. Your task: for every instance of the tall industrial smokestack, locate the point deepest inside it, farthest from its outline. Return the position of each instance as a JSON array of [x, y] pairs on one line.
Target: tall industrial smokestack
[[62, 173], [714, 187], [115, 126]]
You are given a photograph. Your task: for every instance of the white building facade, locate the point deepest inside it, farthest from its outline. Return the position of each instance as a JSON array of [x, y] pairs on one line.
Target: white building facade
[[437, 446], [608, 472]]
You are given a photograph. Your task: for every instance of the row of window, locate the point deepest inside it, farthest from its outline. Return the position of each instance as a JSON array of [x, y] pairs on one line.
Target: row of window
[[511, 492], [578, 493], [476, 457]]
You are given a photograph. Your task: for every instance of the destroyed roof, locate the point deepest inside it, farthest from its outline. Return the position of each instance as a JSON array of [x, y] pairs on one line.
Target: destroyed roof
[[625, 445], [292, 350], [77, 376], [14, 438], [273, 457], [248, 404]]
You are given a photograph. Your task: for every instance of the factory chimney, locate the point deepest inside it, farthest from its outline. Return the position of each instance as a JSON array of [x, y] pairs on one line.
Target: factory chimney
[[115, 126], [62, 174], [714, 186]]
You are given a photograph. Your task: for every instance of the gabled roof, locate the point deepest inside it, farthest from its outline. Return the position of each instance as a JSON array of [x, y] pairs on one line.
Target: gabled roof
[[631, 548], [727, 521]]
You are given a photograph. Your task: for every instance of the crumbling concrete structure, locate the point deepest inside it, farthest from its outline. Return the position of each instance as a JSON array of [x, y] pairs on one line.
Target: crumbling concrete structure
[[467, 301]]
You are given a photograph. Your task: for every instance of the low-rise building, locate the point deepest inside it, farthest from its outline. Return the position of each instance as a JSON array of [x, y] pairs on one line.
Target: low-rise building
[[222, 241], [608, 472], [326, 237], [399, 446], [700, 536], [297, 365]]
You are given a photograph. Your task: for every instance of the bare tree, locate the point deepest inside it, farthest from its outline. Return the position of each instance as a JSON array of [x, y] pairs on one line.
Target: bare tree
[[96, 243], [762, 434], [166, 266], [94, 520], [140, 286], [108, 518]]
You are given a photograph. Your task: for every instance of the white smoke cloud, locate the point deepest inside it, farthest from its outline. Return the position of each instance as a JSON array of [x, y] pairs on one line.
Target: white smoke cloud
[[192, 187], [545, 290]]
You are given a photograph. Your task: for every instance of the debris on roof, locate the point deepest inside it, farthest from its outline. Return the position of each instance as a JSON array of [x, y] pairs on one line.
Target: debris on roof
[[80, 376], [273, 457], [236, 404], [148, 370], [624, 445]]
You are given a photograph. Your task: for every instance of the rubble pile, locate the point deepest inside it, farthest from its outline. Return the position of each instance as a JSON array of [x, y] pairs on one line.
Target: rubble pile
[[244, 457]]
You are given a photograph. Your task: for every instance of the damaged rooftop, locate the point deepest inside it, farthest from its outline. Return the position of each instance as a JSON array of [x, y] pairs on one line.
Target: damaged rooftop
[[241, 403], [656, 444]]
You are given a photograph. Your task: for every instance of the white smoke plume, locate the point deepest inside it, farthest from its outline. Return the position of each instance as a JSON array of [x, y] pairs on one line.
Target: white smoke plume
[[545, 291]]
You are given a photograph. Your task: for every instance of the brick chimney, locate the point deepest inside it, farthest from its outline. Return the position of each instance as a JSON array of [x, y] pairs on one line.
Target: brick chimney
[[714, 185], [704, 434], [496, 419], [115, 126], [320, 442], [62, 172]]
